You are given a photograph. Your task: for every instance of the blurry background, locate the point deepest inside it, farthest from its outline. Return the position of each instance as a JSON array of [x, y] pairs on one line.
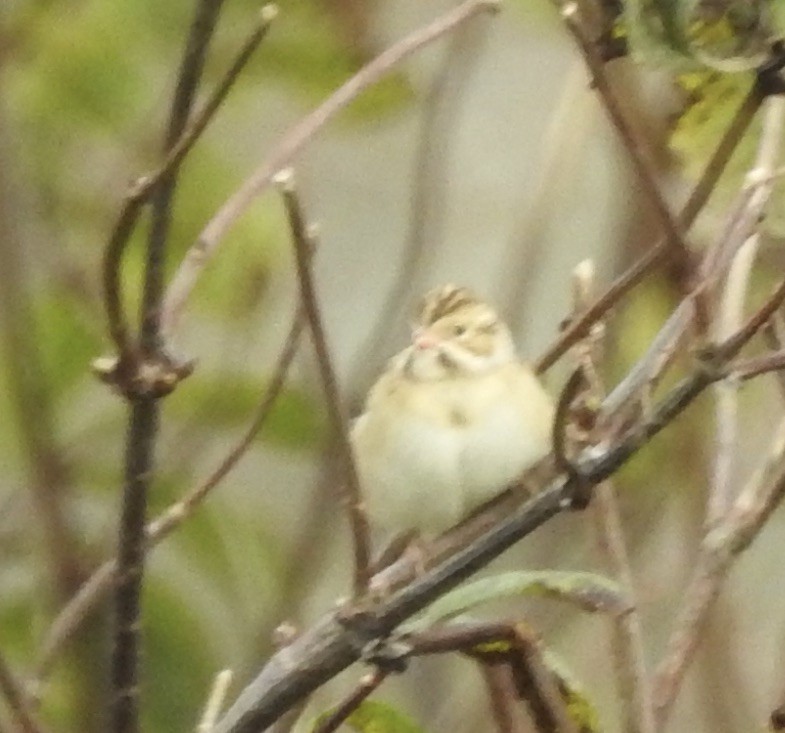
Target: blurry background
[[483, 161]]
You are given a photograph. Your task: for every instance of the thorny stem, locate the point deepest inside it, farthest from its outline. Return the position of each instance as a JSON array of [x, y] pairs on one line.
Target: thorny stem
[[352, 490], [144, 408]]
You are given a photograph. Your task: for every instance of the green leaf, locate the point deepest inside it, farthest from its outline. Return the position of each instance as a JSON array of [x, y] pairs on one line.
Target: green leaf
[[579, 706], [588, 591], [374, 716]]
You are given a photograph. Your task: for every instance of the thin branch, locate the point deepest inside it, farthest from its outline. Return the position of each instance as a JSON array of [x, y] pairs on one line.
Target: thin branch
[[657, 254], [501, 695], [292, 143], [627, 631], [336, 640], [367, 685], [100, 582], [19, 705], [144, 408], [215, 701], [745, 369], [351, 481], [774, 333], [719, 550], [726, 391], [640, 155], [141, 190]]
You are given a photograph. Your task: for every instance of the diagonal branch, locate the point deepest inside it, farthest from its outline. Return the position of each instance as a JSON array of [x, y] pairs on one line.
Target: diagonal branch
[[640, 155], [353, 493], [658, 254], [339, 638], [293, 142], [19, 705]]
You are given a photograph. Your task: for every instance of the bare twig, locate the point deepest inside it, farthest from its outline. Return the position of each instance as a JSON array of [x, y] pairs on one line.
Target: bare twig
[[19, 706], [215, 701], [726, 391], [99, 583], [744, 369], [657, 254], [353, 493], [501, 694], [720, 548], [144, 408], [726, 528], [774, 333], [293, 142], [627, 632], [639, 154], [367, 685], [141, 190]]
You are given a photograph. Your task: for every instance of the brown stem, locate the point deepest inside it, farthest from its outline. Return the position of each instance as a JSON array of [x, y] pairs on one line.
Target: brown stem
[[144, 409], [351, 481], [367, 685]]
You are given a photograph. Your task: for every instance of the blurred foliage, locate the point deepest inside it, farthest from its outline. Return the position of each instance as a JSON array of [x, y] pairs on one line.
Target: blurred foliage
[[85, 95], [714, 47]]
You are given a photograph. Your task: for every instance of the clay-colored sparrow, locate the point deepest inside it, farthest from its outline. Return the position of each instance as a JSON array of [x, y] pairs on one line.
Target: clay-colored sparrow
[[453, 420]]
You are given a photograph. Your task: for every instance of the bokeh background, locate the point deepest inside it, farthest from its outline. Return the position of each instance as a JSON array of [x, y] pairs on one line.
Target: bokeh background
[[486, 161]]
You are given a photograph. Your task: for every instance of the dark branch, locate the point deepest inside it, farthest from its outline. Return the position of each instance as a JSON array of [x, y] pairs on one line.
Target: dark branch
[[353, 493], [144, 409]]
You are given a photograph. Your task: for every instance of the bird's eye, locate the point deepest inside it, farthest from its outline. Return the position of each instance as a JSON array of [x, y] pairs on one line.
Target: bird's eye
[[458, 329]]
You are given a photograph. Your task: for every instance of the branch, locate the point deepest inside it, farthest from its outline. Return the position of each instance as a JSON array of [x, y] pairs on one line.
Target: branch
[[726, 392], [142, 189], [215, 700], [640, 155], [351, 481], [339, 638], [720, 548], [144, 407], [18, 703], [292, 143], [627, 632], [367, 685], [657, 254], [101, 581]]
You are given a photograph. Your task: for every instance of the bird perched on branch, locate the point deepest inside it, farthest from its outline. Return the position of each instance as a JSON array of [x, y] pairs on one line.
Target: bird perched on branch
[[454, 419]]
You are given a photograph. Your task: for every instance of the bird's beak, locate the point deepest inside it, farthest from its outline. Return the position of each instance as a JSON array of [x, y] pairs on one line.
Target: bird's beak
[[423, 339]]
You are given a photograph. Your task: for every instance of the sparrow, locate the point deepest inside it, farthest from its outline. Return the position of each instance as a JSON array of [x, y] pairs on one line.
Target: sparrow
[[454, 419]]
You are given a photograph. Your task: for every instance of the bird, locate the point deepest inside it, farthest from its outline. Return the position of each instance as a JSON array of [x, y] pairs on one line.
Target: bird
[[452, 421]]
